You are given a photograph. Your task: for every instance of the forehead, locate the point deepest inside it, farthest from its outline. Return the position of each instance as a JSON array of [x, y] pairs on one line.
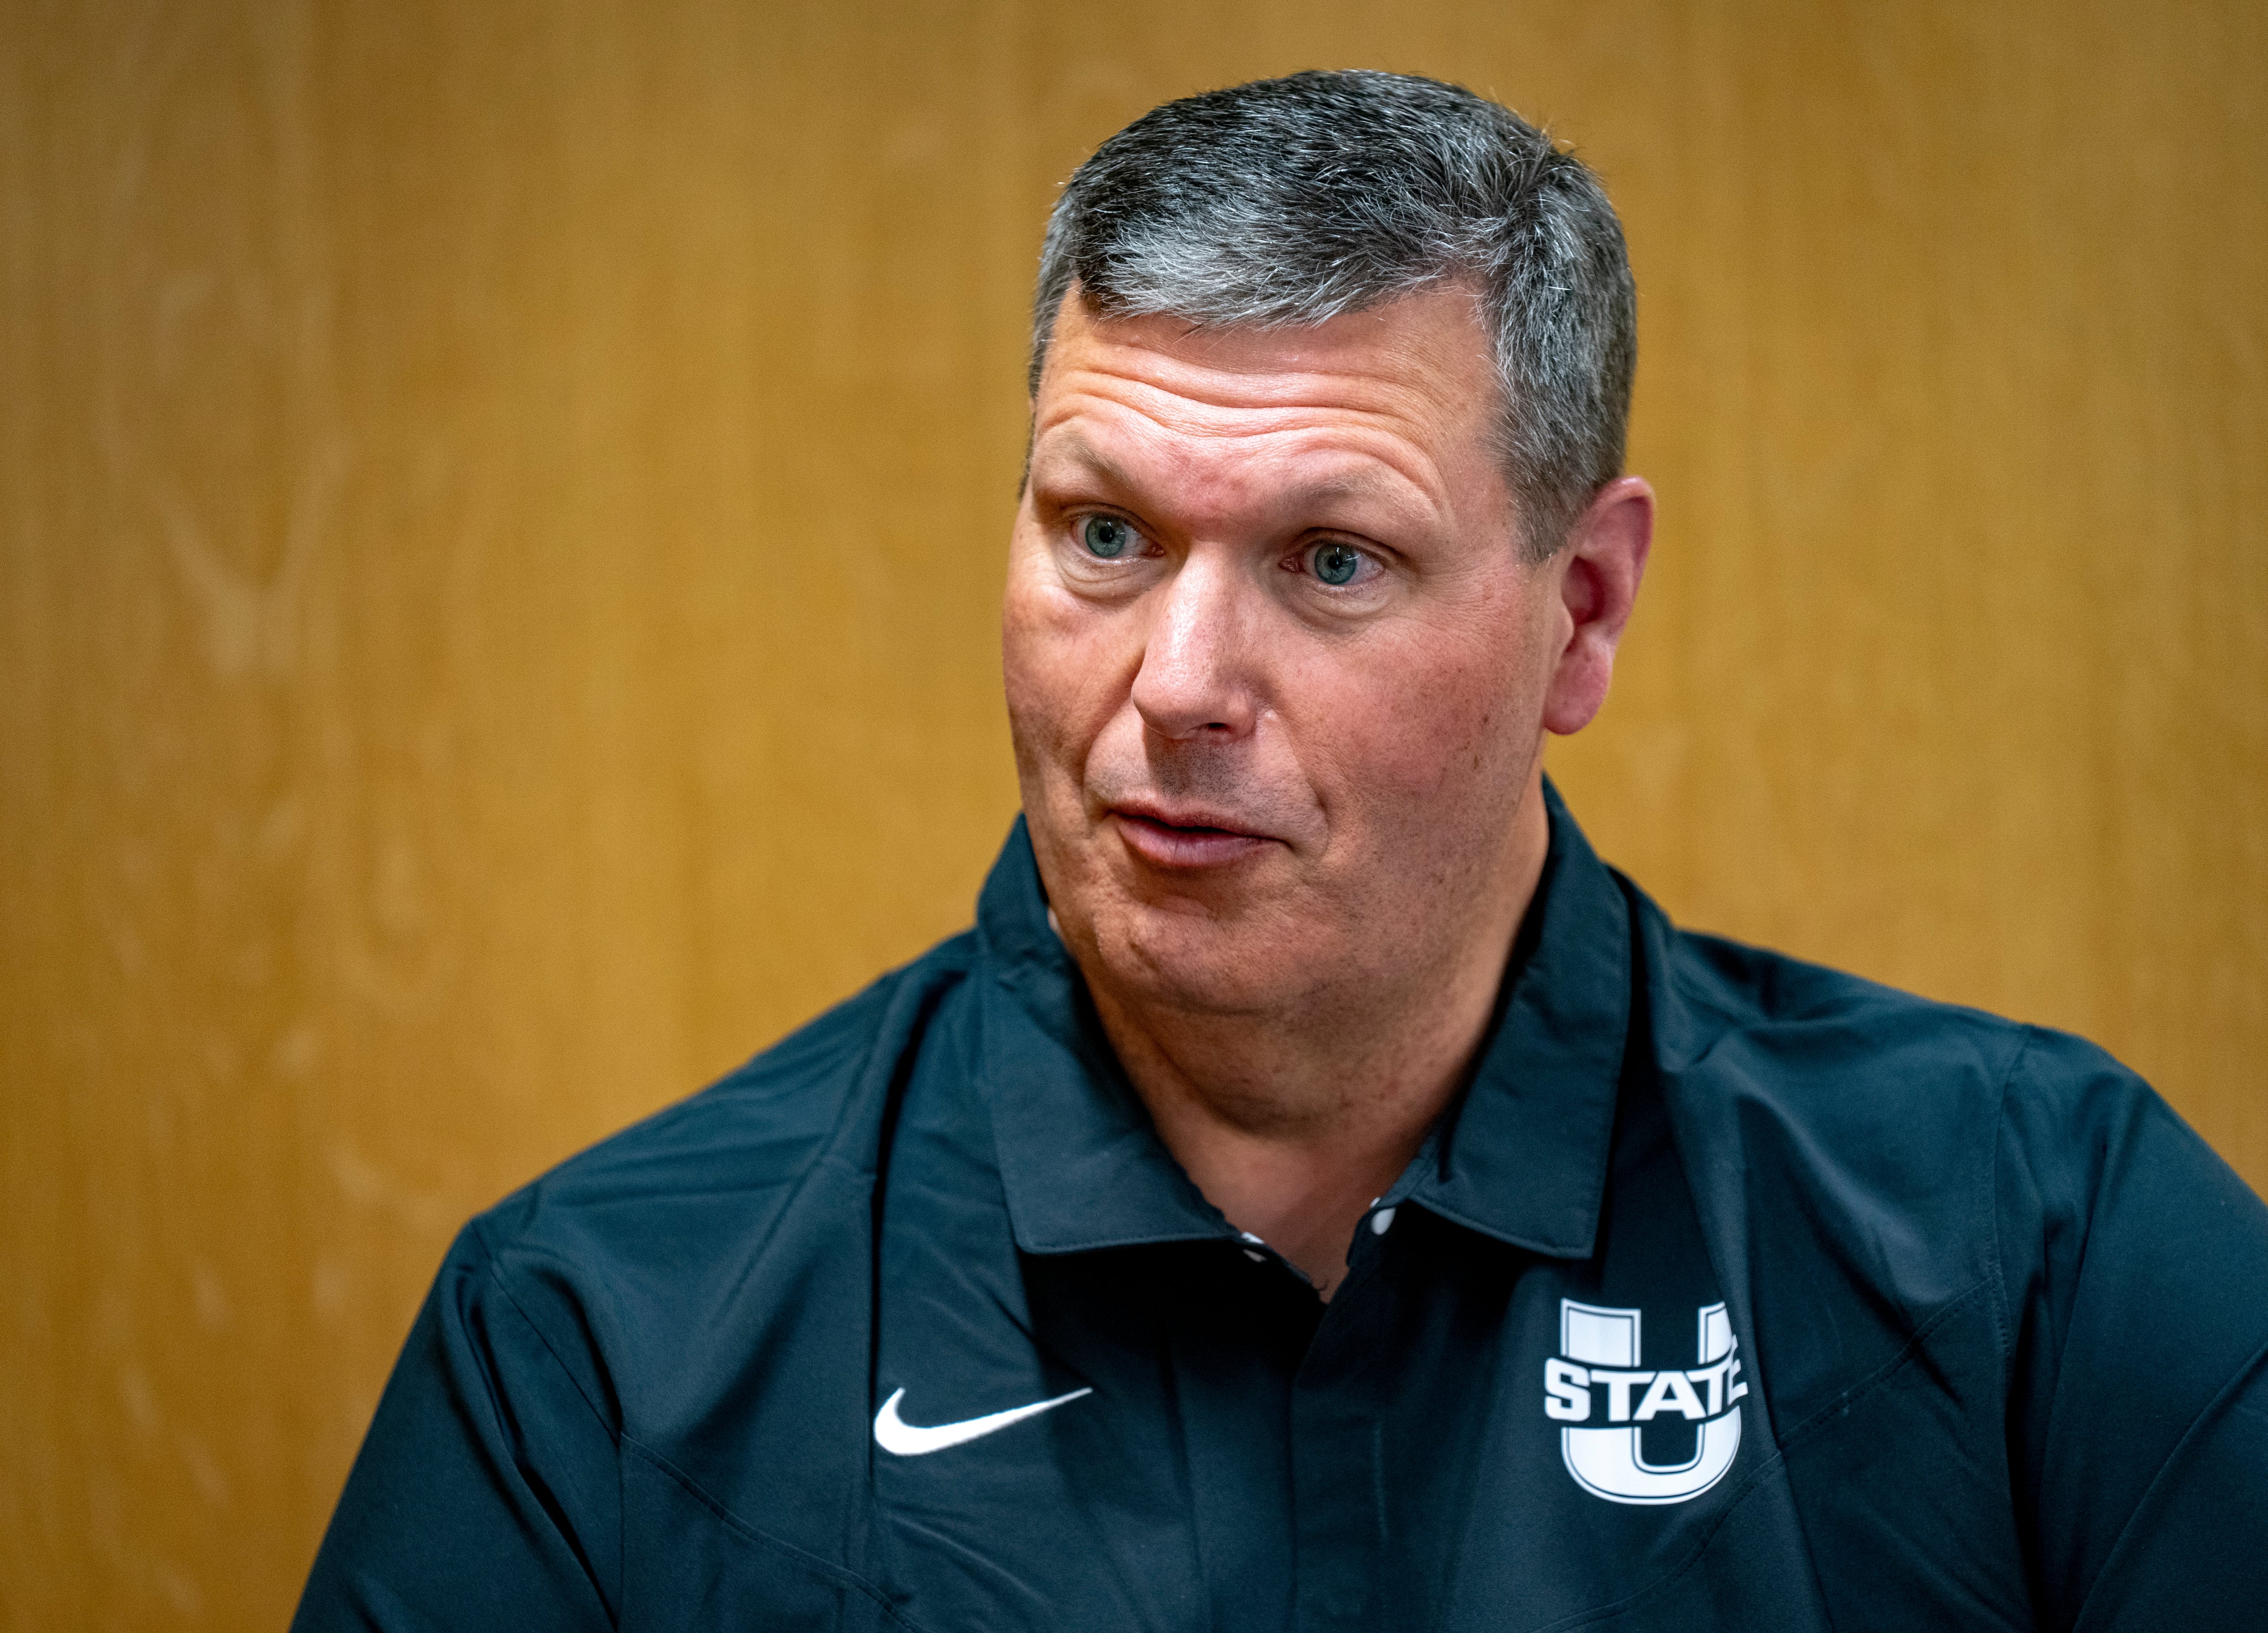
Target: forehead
[[1403, 391]]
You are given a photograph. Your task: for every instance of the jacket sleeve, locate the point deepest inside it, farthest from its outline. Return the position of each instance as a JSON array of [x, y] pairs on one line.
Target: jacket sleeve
[[2134, 1264], [487, 1493]]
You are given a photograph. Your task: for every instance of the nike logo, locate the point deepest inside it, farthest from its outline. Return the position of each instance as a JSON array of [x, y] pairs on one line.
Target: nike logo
[[902, 1438]]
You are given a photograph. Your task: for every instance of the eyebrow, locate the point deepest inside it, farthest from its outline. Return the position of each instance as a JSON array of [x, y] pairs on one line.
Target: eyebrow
[[1070, 445]]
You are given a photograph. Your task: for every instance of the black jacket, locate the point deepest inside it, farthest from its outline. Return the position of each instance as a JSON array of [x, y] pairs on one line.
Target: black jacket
[[1731, 1292]]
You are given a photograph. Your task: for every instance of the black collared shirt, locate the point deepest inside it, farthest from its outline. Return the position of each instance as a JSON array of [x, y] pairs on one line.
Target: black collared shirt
[[1731, 1292]]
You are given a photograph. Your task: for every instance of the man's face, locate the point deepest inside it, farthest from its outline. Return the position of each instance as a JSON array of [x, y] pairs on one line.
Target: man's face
[[1276, 669]]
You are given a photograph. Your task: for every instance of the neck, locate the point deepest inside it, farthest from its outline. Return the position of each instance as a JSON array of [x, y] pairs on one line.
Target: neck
[[1292, 1123]]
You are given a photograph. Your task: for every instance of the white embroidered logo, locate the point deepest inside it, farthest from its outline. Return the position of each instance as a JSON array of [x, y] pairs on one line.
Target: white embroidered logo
[[1599, 1349], [902, 1438]]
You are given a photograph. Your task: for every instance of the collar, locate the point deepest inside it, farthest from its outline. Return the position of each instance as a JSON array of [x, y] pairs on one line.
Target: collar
[[1521, 1155]]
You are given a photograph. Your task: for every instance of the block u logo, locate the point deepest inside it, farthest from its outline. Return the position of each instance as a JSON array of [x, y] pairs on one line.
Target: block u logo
[[1598, 1364]]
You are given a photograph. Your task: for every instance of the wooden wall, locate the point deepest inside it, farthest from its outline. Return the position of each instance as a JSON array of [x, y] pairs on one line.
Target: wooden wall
[[501, 512]]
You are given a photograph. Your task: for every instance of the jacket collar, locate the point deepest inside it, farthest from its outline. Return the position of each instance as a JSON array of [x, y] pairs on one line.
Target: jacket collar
[[1521, 1155]]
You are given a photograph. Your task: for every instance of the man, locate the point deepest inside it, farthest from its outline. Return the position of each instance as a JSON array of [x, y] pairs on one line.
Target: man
[[1318, 1194]]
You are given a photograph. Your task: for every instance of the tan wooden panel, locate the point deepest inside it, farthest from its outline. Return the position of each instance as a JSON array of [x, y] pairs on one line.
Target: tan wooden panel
[[500, 516]]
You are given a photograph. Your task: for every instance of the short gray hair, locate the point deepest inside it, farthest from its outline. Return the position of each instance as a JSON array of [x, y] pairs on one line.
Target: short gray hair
[[1291, 201]]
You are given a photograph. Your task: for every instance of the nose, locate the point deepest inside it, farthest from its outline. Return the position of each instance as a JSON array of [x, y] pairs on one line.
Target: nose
[[1199, 663]]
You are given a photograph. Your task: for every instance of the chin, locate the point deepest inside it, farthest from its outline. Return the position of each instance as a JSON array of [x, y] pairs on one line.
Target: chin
[[1193, 960]]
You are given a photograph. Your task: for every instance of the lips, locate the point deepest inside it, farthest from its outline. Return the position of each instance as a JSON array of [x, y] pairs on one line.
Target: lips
[[1184, 839]]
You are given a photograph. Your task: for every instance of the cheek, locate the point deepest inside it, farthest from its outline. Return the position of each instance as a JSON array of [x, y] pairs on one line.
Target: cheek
[[1449, 718], [1053, 653]]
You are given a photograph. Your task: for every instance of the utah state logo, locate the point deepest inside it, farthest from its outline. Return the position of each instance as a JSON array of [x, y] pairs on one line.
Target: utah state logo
[[1598, 1365]]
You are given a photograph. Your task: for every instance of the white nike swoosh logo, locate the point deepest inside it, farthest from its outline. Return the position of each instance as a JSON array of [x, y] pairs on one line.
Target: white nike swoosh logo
[[902, 1438]]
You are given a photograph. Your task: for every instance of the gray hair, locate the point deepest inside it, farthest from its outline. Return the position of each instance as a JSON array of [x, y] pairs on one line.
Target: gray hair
[[1289, 202]]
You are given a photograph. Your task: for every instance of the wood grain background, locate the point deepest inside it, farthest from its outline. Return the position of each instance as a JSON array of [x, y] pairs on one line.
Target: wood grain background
[[501, 514]]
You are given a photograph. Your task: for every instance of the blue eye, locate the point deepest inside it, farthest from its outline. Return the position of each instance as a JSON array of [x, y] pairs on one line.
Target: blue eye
[[1336, 564], [1105, 536]]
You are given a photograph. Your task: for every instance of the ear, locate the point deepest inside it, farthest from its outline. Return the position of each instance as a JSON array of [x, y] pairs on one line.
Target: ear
[[1598, 569]]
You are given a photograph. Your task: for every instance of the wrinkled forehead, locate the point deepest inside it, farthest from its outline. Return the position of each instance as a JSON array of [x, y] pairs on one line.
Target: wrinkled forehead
[[1409, 384], [1438, 335]]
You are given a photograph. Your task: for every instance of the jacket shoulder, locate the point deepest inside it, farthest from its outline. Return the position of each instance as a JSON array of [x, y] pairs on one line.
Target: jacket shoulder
[[1843, 1129], [628, 1251], [1812, 1032], [1808, 1026], [763, 1125]]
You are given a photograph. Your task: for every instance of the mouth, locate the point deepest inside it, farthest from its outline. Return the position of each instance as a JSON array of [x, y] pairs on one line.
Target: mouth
[[1185, 841]]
